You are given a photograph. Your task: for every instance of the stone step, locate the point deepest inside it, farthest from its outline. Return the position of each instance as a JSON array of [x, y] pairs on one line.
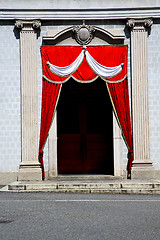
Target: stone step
[[79, 187]]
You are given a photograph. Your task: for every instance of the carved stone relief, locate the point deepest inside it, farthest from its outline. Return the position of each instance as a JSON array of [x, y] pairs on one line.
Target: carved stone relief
[[84, 33], [139, 23], [28, 25]]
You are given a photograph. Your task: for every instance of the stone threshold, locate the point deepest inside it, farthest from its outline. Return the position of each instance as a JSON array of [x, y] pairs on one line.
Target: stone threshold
[[84, 177]]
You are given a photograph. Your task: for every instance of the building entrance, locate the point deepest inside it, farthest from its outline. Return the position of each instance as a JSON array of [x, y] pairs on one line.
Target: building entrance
[[85, 129]]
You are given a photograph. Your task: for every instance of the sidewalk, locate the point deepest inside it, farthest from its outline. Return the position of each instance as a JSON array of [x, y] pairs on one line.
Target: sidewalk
[[87, 184]]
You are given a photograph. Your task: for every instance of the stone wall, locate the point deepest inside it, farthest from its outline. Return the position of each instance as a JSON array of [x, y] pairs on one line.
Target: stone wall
[[10, 125], [154, 92]]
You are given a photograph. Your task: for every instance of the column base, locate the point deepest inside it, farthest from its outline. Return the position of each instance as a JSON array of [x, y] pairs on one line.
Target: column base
[[142, 170], [29, 172]]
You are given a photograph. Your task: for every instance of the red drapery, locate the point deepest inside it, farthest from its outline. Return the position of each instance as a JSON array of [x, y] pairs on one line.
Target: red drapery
[[50, 96], [110, 56]]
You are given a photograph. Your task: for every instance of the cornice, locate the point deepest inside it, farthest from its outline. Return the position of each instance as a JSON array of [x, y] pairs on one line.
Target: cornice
[[79, 14]]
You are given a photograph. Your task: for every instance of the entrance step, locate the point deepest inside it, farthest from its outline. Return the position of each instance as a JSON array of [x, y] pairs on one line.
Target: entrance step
[[105, 186]]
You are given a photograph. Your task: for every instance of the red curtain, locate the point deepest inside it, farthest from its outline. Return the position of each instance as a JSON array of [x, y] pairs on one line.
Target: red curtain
[[110, 56], [50, 96], [119, 96]]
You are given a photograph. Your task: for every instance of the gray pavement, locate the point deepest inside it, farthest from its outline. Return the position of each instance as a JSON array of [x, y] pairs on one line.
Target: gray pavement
[[56, 216]]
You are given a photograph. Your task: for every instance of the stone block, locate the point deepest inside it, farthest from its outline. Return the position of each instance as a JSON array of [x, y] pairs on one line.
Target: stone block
[[30, 174], [143, 173], [16, 186], [137, 185], [41, 187]]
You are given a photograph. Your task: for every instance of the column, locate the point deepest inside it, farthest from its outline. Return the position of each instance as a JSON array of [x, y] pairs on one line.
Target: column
[[29, 166], [142, 165]]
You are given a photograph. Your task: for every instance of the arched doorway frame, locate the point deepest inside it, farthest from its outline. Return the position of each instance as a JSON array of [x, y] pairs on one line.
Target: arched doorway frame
[[115, 36]]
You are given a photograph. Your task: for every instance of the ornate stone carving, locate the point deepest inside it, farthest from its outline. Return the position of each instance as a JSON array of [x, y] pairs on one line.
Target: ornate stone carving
[[19, 24], [36, 24], [148, 23], [83, 33], [28, 24], [139, 23]]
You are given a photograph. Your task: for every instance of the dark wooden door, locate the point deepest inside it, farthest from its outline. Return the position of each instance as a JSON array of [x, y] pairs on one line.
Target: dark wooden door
[[85, 131]]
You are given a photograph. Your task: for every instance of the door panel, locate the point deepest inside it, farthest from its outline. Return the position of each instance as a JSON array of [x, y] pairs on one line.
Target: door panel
[[85, 138], [98, 153], [69, 157]]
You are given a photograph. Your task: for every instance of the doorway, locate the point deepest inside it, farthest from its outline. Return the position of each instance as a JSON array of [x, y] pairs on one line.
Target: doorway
[[85, 129]]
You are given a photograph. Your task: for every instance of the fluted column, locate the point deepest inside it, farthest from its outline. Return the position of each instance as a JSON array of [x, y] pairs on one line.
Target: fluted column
[[142, 165], [29, 167]]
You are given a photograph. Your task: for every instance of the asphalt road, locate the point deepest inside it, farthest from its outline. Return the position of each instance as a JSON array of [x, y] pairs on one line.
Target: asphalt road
[[27, 216]]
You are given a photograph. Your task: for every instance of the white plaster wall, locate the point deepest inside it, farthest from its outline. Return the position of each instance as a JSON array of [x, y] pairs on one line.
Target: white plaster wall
[[154, 92], [10, 123]]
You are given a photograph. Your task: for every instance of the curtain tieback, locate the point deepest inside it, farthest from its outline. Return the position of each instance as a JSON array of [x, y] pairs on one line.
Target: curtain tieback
[[129, 165], [41, 163]]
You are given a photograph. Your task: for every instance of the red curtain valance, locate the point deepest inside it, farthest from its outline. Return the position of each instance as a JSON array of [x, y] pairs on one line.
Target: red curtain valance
[[109, 56]]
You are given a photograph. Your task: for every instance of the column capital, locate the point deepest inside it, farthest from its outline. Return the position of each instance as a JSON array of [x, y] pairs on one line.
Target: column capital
[[139, 24], [27, 25]]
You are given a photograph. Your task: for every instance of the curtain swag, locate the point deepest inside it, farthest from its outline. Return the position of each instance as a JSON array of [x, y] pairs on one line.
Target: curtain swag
[[100, 70], [59, 63]]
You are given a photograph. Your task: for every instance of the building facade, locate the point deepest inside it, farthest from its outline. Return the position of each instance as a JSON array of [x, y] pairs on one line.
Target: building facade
[[24, 28]]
